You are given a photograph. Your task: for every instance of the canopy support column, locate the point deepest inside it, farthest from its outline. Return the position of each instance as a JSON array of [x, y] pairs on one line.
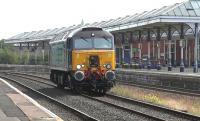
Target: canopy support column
[[131, 55], [195, 70], [182, 67], [131, 47], [164, 58], [175, 64], [149, 49], [43, 46], [35, 53], [28, 47], [122, 35], [186, 53], [139, 48], [169, 48], [158, 46], [20, 49]]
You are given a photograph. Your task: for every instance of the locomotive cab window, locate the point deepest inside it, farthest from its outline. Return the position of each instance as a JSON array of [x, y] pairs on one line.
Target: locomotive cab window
[[104, 43], [82, 43], [93, 43]]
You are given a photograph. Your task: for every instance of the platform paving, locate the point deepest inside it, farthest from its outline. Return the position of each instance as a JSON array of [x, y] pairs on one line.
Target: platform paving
[[14, 106]]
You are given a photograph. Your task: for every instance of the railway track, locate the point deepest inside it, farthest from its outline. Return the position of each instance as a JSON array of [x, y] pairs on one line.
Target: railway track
[[64, 106], [155, 107], [94, 99], [146, 86], [129, 83], [126, 103], [159, 88]]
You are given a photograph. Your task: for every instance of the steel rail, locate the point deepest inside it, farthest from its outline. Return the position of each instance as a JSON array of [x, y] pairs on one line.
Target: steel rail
[[79, 113], [160, 88], [152, 87], [107, 103], [184, 114], [124, 108], [153, 106]]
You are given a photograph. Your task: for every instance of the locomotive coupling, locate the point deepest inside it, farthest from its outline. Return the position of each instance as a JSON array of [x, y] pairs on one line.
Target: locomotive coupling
[[110, 75], [79, 75]]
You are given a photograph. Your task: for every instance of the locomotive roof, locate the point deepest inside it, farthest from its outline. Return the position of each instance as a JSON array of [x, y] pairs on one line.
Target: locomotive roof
[[64, 35]]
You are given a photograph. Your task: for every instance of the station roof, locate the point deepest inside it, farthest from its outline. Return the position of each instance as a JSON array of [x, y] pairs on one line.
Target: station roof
[[185, 12]]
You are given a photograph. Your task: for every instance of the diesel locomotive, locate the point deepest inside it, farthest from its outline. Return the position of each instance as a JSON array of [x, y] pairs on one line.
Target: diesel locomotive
[[83, 59]]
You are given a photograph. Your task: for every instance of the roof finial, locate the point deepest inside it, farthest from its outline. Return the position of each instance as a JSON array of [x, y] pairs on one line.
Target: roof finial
[[82, 22]]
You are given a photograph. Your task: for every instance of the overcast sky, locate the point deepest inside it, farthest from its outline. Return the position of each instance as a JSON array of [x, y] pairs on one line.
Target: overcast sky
[[32, 15]]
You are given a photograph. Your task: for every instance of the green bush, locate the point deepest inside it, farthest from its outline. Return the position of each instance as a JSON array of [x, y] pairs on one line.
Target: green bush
[[8, 55]]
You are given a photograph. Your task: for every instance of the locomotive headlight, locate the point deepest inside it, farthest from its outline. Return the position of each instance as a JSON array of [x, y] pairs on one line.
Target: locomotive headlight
[[78, 66], [92, 35], [83, 66], [108, 66]]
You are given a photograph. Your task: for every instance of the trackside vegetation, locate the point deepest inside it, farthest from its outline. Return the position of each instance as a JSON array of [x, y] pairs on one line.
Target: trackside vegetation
[[180, 102], [9, 55]]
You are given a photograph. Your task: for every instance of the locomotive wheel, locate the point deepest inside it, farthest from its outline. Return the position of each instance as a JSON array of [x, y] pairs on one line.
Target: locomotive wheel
[[51, 77], [100, 91], [71, 86], [60, 83], [103, 91], [55, 78]]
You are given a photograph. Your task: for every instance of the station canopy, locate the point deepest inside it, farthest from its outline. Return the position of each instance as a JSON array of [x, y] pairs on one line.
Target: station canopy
[[185, 12]]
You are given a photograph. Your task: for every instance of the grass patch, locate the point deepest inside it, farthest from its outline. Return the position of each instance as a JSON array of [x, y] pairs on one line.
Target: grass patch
[[175, 101], [152, 98], [122, 91]]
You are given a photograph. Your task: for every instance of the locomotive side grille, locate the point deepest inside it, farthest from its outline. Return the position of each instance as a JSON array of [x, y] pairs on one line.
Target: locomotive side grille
[[94, 61]]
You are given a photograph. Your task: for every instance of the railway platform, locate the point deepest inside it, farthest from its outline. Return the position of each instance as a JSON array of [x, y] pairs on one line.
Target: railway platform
[[162, 78], [16, 106], [188, 71]]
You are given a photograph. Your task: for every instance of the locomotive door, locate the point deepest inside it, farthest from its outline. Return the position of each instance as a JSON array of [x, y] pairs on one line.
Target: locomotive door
[[69, 52]]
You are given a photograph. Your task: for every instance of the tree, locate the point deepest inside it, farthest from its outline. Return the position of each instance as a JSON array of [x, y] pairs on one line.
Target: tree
[[7, 54]]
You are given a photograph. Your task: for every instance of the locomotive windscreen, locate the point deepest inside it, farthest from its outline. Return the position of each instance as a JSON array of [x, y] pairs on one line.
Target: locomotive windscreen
[[93, 43]]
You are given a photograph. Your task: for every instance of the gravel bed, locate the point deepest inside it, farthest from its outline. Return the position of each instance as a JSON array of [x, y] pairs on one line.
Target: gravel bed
[[35, 85], [35, 78], [146, 110], [89, 106], [45, 75]]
